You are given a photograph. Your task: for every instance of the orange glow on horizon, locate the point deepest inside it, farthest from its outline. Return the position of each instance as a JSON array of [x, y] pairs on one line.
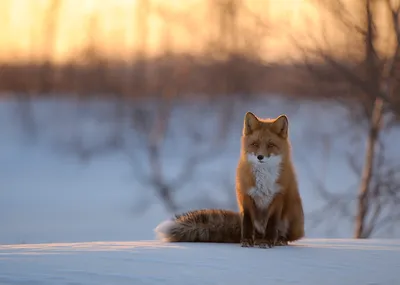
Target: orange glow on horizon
[[115, 27]]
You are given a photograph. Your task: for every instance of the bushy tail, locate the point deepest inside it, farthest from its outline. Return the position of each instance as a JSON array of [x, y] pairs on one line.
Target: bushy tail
[[204, 225]]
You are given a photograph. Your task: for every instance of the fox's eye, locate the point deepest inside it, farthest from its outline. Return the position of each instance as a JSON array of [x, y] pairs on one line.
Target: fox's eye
[[255, 144], [270, 145]]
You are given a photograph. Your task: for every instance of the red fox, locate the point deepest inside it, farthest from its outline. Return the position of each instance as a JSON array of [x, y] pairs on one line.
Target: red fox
[[270, 206]]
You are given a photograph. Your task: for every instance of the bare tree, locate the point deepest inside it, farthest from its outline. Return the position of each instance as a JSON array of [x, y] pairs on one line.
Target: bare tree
[[367, 76]]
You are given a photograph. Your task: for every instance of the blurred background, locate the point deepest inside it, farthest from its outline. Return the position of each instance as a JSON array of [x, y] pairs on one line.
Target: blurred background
[[117, 114]]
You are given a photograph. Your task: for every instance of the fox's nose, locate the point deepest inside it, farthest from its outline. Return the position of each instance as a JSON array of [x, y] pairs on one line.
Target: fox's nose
[[260, 157]]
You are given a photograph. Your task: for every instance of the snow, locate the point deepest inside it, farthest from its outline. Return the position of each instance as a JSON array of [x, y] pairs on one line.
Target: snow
[[308, 262], [70, 221]]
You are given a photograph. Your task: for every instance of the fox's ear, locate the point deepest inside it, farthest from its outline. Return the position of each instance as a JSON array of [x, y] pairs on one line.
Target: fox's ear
[[250, 123], [281, 126]]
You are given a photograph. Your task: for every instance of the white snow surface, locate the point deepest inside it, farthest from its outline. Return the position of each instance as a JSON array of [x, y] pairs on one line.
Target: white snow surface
[[67, 222], [308, 262]]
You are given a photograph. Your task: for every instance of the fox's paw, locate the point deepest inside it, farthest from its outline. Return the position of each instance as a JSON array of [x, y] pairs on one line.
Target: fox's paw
[[246, 243], [282, 242], [271, 238], [264, 243]]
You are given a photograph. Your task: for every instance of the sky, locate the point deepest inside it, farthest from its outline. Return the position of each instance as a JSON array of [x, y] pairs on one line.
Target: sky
[[57, 29]]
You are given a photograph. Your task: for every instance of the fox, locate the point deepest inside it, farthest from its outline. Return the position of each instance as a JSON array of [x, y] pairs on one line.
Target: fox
[[267, 194]]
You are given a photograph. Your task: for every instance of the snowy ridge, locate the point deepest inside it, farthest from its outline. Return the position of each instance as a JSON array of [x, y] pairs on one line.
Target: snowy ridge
[[308, 262]]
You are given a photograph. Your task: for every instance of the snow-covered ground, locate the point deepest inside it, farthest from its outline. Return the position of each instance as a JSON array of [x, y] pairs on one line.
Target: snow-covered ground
[[64, 220], [309, 262]]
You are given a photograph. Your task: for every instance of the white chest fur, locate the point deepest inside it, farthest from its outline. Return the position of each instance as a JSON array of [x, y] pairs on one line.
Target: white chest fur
[[266, 175]]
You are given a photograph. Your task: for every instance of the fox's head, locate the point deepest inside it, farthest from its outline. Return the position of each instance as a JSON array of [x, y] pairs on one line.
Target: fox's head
[[264, 140]]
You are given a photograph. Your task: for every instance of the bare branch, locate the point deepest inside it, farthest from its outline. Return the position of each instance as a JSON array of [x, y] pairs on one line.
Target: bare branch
[[372, 78]]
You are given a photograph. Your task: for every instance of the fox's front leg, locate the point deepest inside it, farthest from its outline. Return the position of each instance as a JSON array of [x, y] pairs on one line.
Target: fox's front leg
[[247, 230], [261, 234], [273, 228], [282, 230], [270, 222], [261, 222], [247, 223], [271, 233]]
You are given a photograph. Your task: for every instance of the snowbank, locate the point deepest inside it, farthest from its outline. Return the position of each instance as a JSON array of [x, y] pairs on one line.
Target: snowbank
[[308, 262]]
